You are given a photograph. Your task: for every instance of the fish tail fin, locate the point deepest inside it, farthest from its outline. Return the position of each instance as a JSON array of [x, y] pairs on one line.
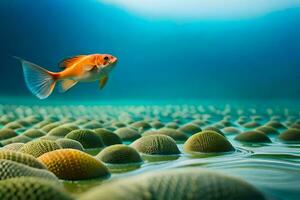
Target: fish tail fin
[[39, 81]]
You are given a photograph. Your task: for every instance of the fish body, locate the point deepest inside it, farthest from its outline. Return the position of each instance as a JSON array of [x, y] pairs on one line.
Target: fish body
[[81, 68]]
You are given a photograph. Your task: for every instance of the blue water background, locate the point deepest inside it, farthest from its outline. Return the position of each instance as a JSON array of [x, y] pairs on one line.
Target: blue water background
[[159, 58]]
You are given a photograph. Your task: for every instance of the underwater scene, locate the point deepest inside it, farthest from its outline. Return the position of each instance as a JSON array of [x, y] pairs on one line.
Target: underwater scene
[[150, 100]]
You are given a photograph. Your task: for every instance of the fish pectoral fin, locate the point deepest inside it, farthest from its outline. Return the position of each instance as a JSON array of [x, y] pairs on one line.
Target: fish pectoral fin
[[67, 84], [103, 82], [68, 62], [89, 67]]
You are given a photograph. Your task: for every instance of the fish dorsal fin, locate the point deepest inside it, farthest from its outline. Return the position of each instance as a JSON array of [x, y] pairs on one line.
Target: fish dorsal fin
[[68, 62]]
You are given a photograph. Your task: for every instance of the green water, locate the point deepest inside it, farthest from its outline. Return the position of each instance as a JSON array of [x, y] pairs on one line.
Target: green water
[[274, 168]]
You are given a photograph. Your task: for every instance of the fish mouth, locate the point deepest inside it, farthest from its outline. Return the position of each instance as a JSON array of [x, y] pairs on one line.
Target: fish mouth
[[112, 63]]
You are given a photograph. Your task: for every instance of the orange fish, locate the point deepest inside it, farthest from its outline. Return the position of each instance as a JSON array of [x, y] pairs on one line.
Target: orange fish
[[81, 68]]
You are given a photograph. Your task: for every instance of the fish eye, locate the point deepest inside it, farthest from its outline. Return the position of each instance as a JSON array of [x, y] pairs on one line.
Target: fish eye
[[105, 58]]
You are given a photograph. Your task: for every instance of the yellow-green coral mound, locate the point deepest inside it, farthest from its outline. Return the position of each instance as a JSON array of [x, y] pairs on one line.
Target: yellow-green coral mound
[[59, 131], [207, 141], [108, 137], [231, 130], [212, 128], [127, 134], [19, 139], [172, 125], [29, 188], [13, 146], [140, 125], [156, 144], [34, 133], [119, 154], [251, 124], [13, 125], [66, 143], [179, 184], [157, 124], [39, 147], [7, 133], [275, 124], [50, 126], [88, 138], [22, 158], [173, 133], [290, 135], [268, 130], [190, 129], [253, 136], [71, 164], [92, 125], [11, 169]]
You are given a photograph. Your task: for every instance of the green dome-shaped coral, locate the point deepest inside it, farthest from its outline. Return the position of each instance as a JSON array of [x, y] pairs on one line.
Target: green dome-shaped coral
[[23, 122], [176, 184], [157, 124], [34, 133], [92, 125], [269, 130], [50, 126], [43, 123], [49, 137], [225, 123], [275, 124], [119, 154], [290, 135], [16, 139], [29, 188], [22, 158], [71, 164], [108, 137], [13, 146], [13, 125], [156, 144], [140, 125], [199, 122], [66, 143], [207, 142], [212, 128], [118, 124], [242, 120], [190, 129], [231, 130], [295, 125], [33, 119], [127, 134], [172, 125], [70, 126], [6, 133], [88, 138], [11, 169], [253, 136], [39, 147], [251, 124], [59, 131], [173, 133]]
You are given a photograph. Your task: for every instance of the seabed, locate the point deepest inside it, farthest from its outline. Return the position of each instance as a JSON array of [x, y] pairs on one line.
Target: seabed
[[271, 165]]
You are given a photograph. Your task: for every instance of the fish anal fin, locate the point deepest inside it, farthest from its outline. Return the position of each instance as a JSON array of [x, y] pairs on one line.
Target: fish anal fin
[[67, 84], [68, 62], [103, 82]]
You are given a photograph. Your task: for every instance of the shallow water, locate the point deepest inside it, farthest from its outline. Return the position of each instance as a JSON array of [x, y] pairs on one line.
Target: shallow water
[[276, 172], [274, 168]]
